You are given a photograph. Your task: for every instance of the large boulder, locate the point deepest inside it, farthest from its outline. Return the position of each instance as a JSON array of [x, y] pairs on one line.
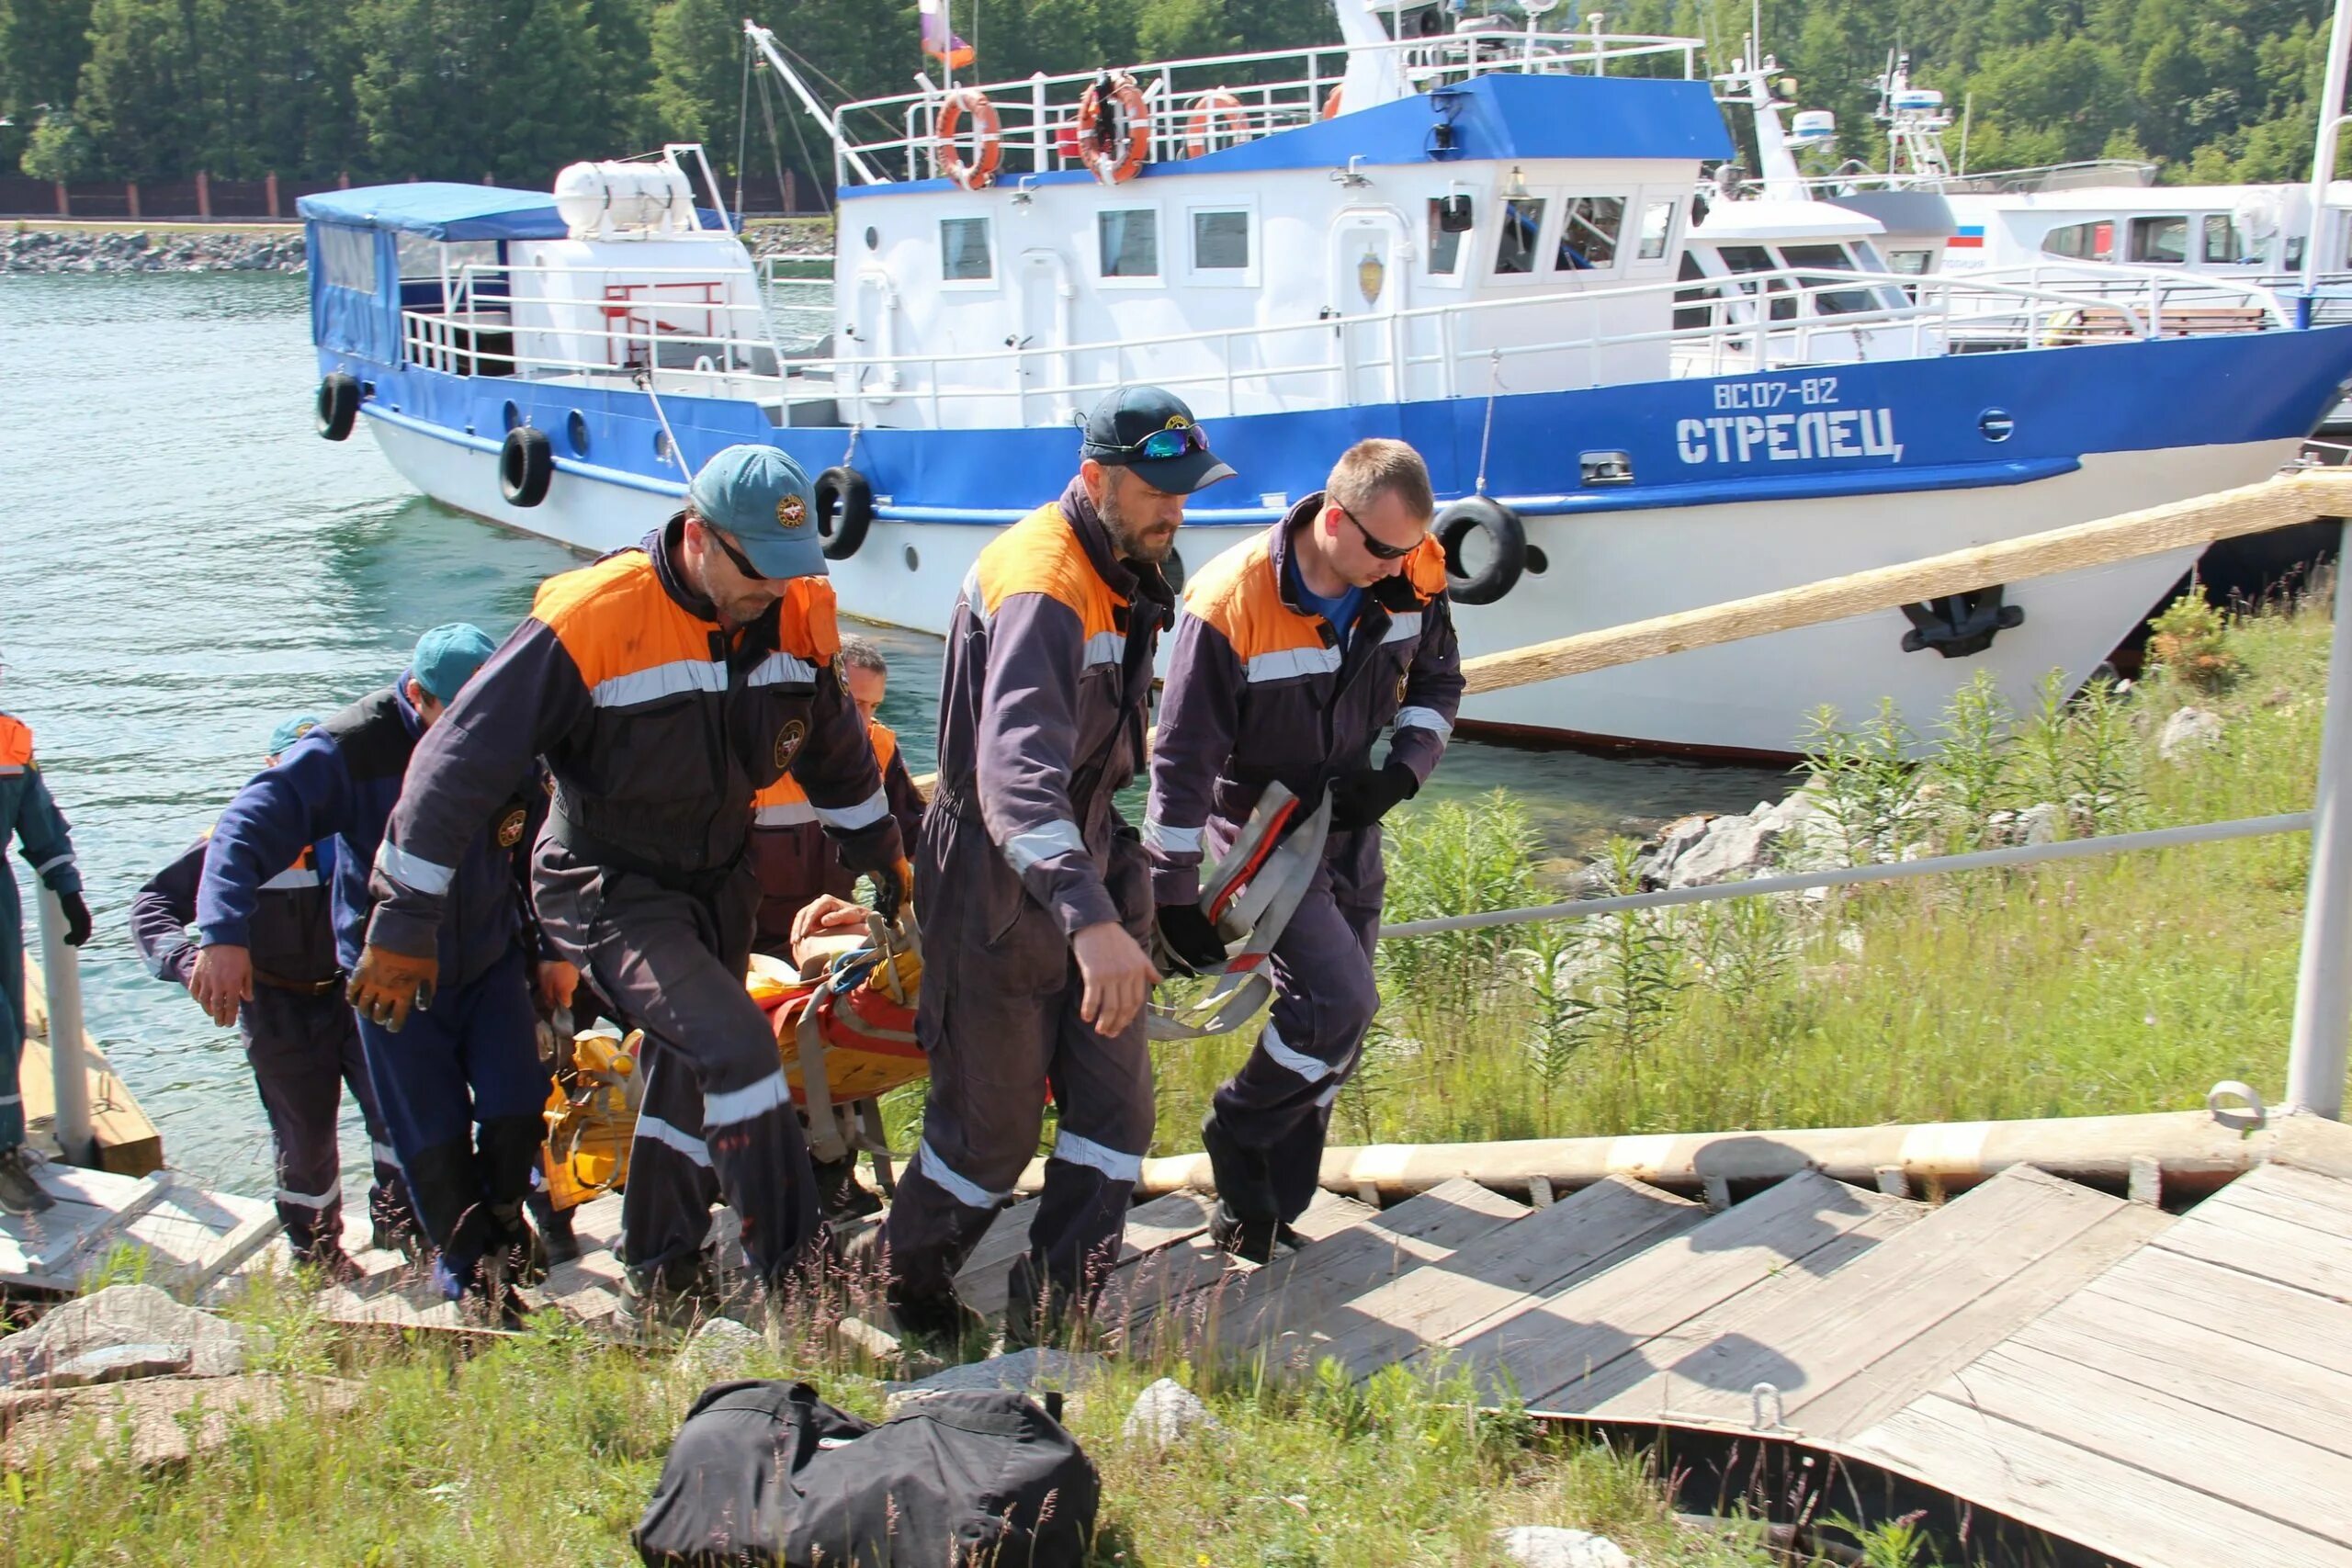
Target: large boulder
[[2188, 731], [165, 1332], [1547, 1546], [1165, 1413]]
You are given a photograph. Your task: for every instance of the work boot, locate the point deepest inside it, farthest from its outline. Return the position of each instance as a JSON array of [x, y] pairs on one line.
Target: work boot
[[396, 1226], [20, 1192], [332, 1264], [1247, 1216], [840, 1195], [558, 1244], [669, 1301], [1038, 1309], [942, 1321]]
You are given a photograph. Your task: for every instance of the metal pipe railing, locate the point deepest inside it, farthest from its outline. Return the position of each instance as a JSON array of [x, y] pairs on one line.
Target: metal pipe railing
[[69, 1065], [2317, 1059]]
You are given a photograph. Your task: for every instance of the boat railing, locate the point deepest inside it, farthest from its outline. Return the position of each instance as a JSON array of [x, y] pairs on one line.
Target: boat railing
[[1198, 105], [1752, 323], [2128, 173]]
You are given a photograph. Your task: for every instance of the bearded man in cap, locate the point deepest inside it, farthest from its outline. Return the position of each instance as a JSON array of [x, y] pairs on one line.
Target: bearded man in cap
[[1035, 890], [300, 1041], [663, 686], [462, 1094]]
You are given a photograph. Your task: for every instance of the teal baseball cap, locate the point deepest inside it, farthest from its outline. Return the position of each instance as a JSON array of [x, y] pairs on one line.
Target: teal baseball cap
[[293, 729], [762, 497], [447, 658]]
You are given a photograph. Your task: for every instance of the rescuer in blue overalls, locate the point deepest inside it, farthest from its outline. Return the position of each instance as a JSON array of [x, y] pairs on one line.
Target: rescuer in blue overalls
[[462, 1090], [31, 818]]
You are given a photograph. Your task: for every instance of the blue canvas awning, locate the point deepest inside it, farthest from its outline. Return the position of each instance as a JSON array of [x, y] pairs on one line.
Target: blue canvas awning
[[440, 209]]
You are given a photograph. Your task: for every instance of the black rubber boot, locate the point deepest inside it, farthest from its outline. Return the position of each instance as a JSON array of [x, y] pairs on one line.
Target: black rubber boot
[[510, 1153], [20, 1190], [554, 1226], [1038, 1310], [1248, 1219], [943, 1322]]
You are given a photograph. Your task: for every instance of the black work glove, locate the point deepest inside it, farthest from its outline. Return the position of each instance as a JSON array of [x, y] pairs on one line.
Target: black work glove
[[1191, 938], [1364, 797], [77, 918]]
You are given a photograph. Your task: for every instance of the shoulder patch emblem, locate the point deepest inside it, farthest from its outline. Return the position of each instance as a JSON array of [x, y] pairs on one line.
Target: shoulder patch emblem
[[787, 742], [510, 828], [792, 511]]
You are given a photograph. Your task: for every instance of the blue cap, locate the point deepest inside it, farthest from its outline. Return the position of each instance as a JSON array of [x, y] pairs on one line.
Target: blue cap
[[1128, 416], [286, 733], [762, 497], [447, 658]]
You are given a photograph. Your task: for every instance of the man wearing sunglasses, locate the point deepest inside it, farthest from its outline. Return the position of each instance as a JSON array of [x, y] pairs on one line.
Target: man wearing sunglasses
[[1034, 892], [664, 686], [1293, 655]]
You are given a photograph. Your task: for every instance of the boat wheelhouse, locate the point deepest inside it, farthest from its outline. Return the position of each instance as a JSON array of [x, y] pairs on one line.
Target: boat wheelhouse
[[1465, 232]]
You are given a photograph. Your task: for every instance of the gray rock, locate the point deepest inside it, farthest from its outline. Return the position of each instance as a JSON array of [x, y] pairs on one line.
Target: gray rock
[[1547, 1546], [721, 1348], [2040, 824], [1167, 1413], [119, 1316], [2189, 730], [1735, 847], [1033, 1371]]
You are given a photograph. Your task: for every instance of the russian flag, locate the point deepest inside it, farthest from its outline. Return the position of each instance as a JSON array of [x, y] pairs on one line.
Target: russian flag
[[938, 41], [1970, 237]]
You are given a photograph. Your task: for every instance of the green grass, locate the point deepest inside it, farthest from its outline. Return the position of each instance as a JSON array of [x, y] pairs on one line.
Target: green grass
[[2123, 984]]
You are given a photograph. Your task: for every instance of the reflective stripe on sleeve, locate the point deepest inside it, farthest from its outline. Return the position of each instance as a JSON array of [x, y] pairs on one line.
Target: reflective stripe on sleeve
[[791, 814], [1105, 648], [293, 877], [1429, 719], [412, 871], [1405, 624], [1287, 663], [1059, 837], [658, 1131], [45, 867], [661, 681], [1168, 841], [971, 1194], [10, 770], [781, 668], [972, 595], [1069, 1147], [384, 1154], [849, 818], [726, 1108], [1269, 1041]]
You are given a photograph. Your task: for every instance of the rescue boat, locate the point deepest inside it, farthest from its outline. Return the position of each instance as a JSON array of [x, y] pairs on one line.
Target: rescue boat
[[1458, 228]]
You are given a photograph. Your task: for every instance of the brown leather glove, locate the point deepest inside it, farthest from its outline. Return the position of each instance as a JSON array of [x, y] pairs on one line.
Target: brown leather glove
[[386, 985]]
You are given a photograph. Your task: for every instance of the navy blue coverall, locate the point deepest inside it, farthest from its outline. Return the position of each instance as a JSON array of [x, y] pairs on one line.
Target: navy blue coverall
[[471, 1059], [302, 1039], [28, 814]]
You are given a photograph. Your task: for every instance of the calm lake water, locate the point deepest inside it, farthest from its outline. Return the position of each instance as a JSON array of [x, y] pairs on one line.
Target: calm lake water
[[183, 564]]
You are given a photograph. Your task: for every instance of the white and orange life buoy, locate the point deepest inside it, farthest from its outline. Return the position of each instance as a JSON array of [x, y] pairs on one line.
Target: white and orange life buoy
[[1115, 145], [1331, 101], [978, 171], [1215, 112]]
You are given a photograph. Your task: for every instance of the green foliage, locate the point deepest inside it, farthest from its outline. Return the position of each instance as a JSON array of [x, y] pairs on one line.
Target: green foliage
[[1451, 858], [1865, 779], [60, 150], [2188, 640]]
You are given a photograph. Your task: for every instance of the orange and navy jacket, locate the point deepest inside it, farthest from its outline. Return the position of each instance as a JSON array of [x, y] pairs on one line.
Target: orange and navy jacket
[[794, 860], [657, 725], [1260, 689], [1042, 703], [28, 812]]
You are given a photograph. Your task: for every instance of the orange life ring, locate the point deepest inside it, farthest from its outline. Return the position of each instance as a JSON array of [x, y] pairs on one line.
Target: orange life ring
[[1213, 110], [1331, 101], [1100, 136], [982, 171]]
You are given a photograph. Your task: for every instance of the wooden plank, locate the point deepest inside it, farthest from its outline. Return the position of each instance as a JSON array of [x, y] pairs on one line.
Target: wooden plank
[[1164, 1221], [1976, 1326], [1164, 1289], [52, 1251], [1573, 1239], [1542, 1346], [1847, 1322], [1255, 1307], [2311, 1144], [2117, 1509], [2267, 1248], [128, 1143], [2176, 526], [2237, 1305], [2188, 1446], [1607, 1393], [2318, 1202], [2270, 1386]]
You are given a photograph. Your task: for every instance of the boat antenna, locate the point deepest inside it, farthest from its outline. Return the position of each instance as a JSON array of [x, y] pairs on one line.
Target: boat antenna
[[742, 132], [1967, 113]]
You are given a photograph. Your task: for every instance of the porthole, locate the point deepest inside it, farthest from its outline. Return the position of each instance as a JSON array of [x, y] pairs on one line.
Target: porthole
[[512, 415], [575, 430], [661, 445], [914, 561], [873, 238], [1537, 562]]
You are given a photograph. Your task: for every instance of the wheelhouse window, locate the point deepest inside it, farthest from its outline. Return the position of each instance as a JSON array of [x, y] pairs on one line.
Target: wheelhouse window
[[1910, 263], [1445, 244], [1693, 308], [1589, 231], [2164, 241], [1221, 241], [1522, 222], [1657, 228], [347, 257], [1128, 238], [2082, 241], [2221, 240], [1829, 301], [1755, 258], [964, 251]]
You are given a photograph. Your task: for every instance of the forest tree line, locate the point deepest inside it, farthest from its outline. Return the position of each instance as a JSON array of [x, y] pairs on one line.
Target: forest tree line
[[2210, 90]]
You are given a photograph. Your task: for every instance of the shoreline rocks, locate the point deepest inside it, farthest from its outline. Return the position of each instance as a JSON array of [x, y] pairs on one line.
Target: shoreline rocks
[[26, 248]]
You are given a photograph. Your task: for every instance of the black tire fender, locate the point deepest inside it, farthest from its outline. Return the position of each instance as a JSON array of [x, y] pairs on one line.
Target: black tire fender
[[1507, 538], [338, 406], [844, 511], [526, 464]]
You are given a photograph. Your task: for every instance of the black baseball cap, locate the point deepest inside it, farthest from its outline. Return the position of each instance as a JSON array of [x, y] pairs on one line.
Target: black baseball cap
[[1126, 421]]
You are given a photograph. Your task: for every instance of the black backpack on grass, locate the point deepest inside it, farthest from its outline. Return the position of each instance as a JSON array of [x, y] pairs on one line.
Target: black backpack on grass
[[767, 1473]]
